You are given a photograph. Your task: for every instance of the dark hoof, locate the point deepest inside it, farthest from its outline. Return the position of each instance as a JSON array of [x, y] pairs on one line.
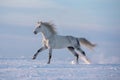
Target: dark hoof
[[48, 63]]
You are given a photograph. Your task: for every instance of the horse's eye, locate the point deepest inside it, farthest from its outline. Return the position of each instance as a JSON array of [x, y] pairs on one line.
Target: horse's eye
[[39, 26]]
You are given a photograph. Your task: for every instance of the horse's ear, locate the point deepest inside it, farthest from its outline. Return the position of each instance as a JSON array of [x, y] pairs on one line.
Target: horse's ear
[[38, 22], [41, 22]]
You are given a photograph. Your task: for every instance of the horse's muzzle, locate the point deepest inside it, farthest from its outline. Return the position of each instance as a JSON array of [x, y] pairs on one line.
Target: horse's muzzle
[[35, 32]]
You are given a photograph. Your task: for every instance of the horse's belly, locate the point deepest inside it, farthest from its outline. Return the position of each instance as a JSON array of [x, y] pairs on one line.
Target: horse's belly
[[62, 45]]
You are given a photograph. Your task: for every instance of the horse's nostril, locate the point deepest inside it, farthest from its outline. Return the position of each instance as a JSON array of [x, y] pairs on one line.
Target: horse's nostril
[[35, 32]]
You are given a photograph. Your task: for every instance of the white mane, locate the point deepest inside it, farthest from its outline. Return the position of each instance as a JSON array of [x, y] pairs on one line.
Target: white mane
[[50, 27]]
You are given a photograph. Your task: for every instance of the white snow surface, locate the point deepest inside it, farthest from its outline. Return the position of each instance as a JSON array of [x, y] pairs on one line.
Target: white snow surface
[[27, 69]]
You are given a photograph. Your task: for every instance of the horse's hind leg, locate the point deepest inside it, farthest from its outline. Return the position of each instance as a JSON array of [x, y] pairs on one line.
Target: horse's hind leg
[[83, 56], [40, 50], [75, 54]]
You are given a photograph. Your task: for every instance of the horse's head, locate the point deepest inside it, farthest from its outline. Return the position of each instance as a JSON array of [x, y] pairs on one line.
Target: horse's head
[[38, 28], [45, 27]]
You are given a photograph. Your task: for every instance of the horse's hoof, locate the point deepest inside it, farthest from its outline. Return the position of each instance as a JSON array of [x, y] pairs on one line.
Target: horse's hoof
[[48, 63], [33, 58]]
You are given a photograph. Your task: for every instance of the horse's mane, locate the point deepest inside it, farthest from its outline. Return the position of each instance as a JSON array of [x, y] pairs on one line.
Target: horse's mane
[[50, 26]]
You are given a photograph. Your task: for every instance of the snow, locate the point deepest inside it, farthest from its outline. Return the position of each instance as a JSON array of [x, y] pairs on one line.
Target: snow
[[27, 69]]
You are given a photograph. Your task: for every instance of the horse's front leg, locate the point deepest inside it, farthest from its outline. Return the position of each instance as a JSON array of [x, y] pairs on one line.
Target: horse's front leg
[[50, 55], [40, 50]]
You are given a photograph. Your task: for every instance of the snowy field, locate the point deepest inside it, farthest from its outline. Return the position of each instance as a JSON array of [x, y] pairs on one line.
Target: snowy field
[[27, 69]]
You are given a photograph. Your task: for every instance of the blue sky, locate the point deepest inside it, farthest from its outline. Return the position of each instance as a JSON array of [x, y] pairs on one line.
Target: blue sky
[[96, 20]]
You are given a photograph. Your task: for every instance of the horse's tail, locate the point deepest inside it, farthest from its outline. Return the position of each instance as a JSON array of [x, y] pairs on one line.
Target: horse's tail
[[86, 43]]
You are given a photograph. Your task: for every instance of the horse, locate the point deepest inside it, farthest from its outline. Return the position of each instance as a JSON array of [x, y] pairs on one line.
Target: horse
[[51, 40]]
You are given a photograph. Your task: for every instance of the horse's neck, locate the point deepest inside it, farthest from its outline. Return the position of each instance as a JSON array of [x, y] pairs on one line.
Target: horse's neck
[[46, 34]]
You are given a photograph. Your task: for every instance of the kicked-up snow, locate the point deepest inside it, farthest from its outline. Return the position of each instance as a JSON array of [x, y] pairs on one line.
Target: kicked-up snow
[[27, 69]]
